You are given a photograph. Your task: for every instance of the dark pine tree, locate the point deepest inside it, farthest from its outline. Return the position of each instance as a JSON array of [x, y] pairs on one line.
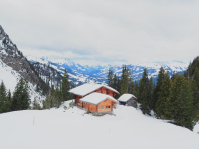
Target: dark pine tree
[[195, 88], [9, 96], [21, 98], [57, 97], [143, 93], [192, 66], [115, 78], [110, 78], [163, 97], [136, 89], [150, 93], [4, 102], [25, 100], [131, 87], [65, 87], [125, 80], [157, 89], [179, 108], [174, 74]]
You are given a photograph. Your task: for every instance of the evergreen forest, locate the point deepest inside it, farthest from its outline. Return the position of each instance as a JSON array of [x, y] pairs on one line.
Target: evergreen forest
[[174, 98]]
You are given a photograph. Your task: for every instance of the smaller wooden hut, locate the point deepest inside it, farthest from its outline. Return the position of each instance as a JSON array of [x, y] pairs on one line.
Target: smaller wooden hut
[[128, 100]]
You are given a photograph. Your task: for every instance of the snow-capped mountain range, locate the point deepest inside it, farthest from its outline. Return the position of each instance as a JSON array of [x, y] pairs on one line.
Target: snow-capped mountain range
[[79, 74]]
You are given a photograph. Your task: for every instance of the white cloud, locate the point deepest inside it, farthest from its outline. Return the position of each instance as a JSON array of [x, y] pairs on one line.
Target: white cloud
[[104, 31]]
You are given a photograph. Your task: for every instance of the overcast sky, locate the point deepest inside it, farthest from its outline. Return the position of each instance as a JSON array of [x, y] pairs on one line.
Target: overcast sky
[[104, 31]]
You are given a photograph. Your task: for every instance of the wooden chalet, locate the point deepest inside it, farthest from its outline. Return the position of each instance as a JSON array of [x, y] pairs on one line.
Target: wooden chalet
[[128, 100], [96, 98]]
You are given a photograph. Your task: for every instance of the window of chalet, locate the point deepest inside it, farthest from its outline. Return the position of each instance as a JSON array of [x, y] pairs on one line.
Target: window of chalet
[[108, 107], [102, 107], [98, 107]]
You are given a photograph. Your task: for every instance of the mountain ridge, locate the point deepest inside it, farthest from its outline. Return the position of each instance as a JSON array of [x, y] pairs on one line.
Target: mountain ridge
[[84, 73]]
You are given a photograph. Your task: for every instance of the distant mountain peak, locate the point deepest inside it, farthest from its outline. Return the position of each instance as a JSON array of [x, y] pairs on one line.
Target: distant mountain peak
[[44, 58]]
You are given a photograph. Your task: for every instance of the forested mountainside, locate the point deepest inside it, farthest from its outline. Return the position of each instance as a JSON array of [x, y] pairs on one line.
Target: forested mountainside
[[192, 66], [48, 74], [12, 57]]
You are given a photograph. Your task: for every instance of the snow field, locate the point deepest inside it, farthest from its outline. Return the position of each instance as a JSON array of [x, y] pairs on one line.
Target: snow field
[[73, 129]]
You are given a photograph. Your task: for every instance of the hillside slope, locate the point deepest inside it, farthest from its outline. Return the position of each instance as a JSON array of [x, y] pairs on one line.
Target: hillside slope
[[13, 58], [10, 77], [72, 129]]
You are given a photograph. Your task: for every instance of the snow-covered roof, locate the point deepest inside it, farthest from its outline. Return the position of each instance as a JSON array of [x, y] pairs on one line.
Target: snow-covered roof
[[96, 98], [88, 88], [126, 97]]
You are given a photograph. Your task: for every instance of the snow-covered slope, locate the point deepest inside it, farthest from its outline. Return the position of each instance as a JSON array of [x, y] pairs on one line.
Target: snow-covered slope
[[10, 78], [81, 74], [14, 65], [72, 129]]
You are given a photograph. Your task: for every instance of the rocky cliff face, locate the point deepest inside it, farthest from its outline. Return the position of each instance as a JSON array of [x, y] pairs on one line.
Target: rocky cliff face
[[11, 56]]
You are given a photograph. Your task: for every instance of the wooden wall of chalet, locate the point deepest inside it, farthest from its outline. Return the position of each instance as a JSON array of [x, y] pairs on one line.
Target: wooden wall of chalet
[[89, 107], [107, 106], [77, 100], [104, 90]]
